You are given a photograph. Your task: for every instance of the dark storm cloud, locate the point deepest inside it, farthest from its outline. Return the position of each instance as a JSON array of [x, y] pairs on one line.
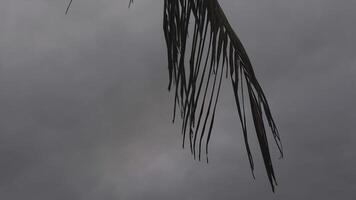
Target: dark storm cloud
[[85, 112]]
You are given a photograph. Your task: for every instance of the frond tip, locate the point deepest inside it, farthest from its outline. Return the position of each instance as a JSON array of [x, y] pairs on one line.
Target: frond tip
[[68, 6], [215, 50]]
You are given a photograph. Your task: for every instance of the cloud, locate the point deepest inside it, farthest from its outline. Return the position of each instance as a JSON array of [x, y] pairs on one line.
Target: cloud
[[85, 111]]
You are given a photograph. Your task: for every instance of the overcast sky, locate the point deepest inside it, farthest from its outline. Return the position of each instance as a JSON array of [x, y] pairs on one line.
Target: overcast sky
[[85, 113]]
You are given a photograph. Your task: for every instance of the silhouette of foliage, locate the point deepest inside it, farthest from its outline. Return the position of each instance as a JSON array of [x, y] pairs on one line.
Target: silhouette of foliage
[[215, 50]]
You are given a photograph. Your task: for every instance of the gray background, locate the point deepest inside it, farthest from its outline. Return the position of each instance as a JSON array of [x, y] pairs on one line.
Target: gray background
[[85, 113]]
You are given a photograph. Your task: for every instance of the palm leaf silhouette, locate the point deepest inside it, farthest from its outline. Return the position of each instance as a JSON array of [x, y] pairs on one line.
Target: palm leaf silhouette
[[215, 50]]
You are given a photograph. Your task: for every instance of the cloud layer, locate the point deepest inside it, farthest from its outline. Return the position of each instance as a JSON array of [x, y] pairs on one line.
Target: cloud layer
[[85, 112]]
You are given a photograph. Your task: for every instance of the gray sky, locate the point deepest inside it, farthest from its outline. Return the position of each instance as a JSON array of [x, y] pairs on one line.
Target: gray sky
[[85, 113]]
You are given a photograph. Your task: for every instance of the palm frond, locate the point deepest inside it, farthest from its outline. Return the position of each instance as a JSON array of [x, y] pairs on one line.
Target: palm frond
[[215, 50]]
